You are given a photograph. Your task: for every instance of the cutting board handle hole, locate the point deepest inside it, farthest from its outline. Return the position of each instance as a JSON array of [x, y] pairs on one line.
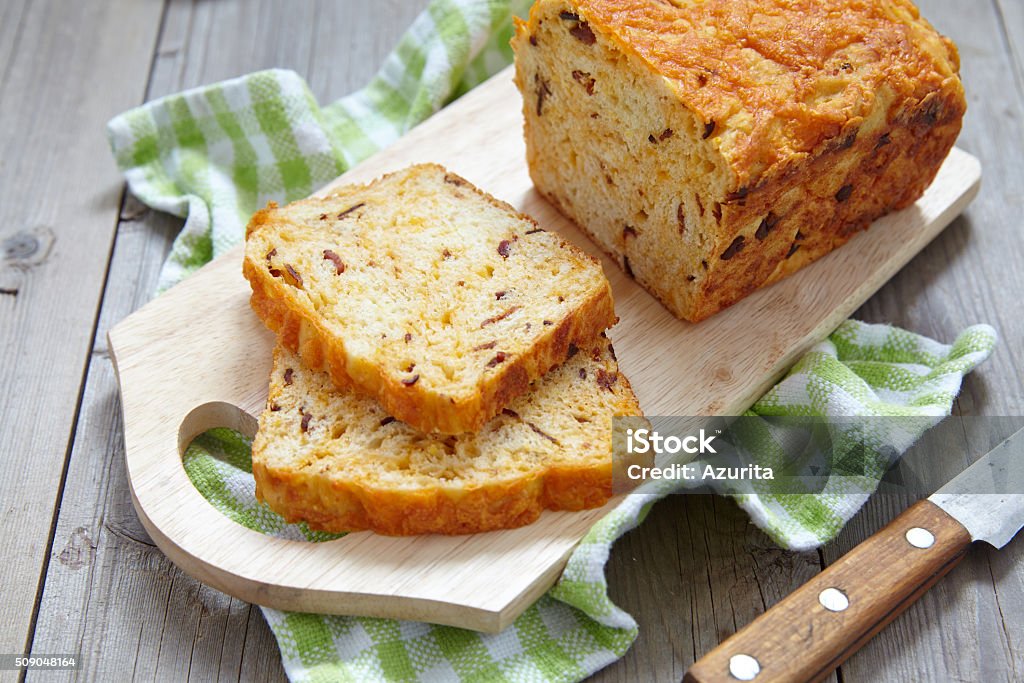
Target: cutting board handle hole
[[211, 415]]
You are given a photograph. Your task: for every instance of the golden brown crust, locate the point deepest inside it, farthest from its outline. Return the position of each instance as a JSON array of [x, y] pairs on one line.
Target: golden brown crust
[[888, 170], [336, 499], [804, 123], [784, 78], [304, 331], [349, 506]]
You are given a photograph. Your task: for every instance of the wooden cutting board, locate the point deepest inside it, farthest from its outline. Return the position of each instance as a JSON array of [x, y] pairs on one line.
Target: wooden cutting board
[[197, 358]]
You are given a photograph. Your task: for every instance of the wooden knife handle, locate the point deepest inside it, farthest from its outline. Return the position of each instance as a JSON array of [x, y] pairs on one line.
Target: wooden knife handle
[[812, 631]]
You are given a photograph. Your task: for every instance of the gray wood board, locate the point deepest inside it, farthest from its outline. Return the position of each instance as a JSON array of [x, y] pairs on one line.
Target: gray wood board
[[65, 68], [697, 569], [109, 592], [971, 626]]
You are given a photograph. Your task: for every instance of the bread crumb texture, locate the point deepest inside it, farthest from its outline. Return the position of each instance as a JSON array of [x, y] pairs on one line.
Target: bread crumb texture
[[425, 293], [714, 147], [337, 460]]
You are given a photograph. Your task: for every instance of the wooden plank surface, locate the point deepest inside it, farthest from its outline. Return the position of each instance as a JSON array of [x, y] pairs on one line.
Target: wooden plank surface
[[971, 626], [176, 377], [1010, 17], [693, 574], [803, 639], [690, 548], [114, 597], [61, 193]]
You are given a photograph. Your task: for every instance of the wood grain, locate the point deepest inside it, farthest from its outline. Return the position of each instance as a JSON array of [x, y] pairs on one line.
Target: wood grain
[[179, 378], [115, 597], [968, 628], [695, 573], [61, 192], [799, 640], [1010, 16], [971, 626]]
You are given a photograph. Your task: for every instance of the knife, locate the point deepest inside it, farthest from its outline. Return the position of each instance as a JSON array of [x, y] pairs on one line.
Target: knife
[[812, 631]]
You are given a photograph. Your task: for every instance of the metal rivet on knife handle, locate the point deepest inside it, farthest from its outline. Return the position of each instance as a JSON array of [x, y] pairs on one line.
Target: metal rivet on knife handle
[[802, 639], [920, 538], [795, 641], [744, 667], [833, 599]]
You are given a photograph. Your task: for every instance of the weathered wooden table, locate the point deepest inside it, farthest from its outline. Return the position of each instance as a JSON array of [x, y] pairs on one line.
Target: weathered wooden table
[[79, 574]]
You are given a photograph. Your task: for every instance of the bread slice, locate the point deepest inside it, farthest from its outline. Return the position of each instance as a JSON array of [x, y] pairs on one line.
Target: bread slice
[[425, 293], [339, 461], [713, 147]]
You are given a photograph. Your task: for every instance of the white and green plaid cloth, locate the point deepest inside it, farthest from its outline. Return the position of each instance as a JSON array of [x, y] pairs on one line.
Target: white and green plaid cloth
[[215, 154]]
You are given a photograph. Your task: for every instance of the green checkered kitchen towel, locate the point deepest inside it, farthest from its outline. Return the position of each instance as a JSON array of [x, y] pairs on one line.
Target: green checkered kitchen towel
[[215, 154]]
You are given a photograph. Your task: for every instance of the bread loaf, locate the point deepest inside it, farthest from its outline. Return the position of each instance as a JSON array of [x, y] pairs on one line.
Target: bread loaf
[[425, 293], [715, 146], [340, 462]]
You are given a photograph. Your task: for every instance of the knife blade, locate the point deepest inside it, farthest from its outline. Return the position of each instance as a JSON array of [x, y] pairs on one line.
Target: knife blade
[[809, 633], [987, 498]]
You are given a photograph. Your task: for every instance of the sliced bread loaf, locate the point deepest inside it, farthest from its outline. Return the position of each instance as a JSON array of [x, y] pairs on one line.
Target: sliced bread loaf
[[425, 293], [339, 461], [714, 147]]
